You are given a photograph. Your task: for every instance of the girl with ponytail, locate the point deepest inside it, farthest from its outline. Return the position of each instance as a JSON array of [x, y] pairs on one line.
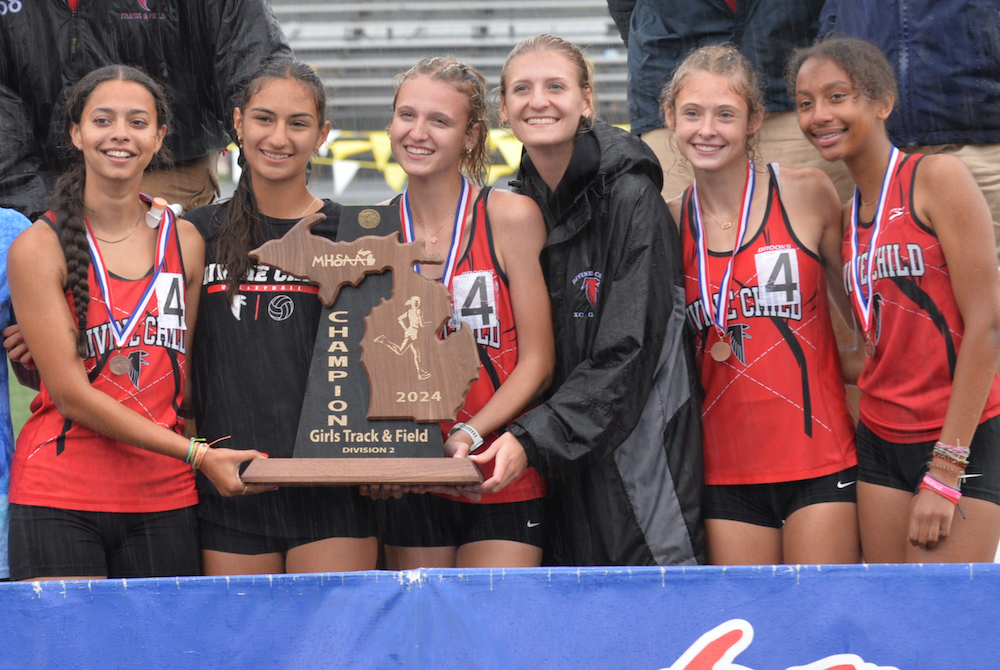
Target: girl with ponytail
[[102, 483], [440, 136], [256, 329]]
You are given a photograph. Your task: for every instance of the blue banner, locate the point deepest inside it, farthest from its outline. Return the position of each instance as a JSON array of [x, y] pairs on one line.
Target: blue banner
[[907, 617]]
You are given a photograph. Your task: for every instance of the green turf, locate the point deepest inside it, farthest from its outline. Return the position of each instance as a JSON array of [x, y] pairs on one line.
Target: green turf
[[20, 398]]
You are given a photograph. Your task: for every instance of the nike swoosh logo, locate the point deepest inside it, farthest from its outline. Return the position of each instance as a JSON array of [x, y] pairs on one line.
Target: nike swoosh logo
[[534, 524], [842, 485]]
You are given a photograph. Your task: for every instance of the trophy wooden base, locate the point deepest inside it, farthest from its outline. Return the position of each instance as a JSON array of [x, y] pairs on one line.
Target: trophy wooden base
[[358, 471]]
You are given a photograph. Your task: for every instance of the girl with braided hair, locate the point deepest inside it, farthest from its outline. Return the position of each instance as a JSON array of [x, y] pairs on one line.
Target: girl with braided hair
[[102, 482]]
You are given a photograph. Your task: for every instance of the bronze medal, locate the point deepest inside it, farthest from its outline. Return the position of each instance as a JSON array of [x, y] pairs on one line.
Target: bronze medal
[[869, 349], [119, 365], [721, 351]]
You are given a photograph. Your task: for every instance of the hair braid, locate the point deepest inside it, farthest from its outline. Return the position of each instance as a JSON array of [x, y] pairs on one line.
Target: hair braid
[[73, 238], [242, 231], [67, 201]]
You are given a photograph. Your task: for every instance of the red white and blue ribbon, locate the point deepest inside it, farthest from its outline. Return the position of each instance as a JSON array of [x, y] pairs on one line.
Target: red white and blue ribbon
[[122, 332], [863, 302], [458, 228], [720, 314]]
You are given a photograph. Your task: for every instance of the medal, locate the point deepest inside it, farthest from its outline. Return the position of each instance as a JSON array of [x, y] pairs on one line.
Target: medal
[[721, 351], [869, 349], [863, 303], [119, 365], [719, 312], [122, 332], [458, 229]]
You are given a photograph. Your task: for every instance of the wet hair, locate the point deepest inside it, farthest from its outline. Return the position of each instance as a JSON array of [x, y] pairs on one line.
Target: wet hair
[[868, 68], [575, 55], [242, 228], [67, 200], [470, 83], [724, 60]]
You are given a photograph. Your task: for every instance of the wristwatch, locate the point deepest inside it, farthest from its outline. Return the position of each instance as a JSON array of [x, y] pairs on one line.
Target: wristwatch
[[477, 439]]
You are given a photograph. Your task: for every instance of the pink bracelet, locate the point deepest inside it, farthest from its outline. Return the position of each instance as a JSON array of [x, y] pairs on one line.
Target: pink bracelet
[[942, 489]]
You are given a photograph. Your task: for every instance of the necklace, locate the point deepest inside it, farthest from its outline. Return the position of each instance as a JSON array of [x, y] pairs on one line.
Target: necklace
[[865, 203], [458, 231], [725, 225], [311, 203], [100, 239], [434, 238]]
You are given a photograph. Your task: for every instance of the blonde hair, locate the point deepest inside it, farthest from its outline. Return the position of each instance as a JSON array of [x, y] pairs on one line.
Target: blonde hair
[[573, 53], [468, 81], [724, 60]]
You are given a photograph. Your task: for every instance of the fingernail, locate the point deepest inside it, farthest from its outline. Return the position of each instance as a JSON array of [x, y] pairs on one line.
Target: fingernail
[[264, 455]]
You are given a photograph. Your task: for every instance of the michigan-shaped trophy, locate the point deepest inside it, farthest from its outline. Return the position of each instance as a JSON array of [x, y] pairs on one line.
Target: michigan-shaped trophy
[[381, 377]]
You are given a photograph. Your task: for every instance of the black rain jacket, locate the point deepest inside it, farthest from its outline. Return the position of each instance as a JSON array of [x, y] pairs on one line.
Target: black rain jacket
[[202, 51], [619, 437]]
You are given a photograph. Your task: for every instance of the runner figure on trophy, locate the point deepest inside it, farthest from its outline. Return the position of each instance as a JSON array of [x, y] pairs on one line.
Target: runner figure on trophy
[[411, 321]]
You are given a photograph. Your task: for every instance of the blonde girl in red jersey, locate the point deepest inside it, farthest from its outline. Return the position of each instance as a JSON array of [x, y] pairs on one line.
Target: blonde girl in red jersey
[[99, 483], [927, 303], [439, 135], [760, 245]]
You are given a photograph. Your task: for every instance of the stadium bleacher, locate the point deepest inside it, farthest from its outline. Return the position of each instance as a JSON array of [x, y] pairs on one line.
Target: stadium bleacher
[[357, 47]]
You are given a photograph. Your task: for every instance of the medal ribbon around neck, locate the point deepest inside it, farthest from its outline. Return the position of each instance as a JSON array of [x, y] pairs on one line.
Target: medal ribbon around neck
[[720, 315], [458, 229], [862, 302], [122, 333]]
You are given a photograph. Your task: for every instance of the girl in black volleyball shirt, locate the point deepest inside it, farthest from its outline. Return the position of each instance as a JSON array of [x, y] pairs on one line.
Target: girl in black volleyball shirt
[[253, 347]]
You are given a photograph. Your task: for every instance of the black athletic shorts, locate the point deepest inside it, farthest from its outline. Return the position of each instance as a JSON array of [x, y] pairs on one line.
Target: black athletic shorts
[[428, 520], [285, 519], [770, 504], [902, 466], [52, 542]]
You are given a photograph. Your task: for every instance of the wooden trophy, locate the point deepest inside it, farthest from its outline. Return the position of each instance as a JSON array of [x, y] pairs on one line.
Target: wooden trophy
[[381, 378]]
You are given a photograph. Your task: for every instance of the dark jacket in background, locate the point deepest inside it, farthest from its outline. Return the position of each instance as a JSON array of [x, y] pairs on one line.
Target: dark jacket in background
[[202, 51], [661, 33], [619, 438], [946, 55]]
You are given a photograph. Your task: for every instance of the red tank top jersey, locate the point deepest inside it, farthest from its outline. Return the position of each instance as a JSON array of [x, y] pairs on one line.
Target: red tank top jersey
[[61, 464], [775, 410], [481, 298], [916, 324]]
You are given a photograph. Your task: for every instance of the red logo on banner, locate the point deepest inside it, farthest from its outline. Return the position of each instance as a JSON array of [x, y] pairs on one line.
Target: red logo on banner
[[716, 649]]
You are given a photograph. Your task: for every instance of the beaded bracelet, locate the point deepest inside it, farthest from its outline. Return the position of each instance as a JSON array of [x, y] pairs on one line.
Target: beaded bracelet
[[934, 464], [930, 483], [957, 455]]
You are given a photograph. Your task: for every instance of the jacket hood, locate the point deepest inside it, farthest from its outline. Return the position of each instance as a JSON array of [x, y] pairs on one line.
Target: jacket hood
[[620, 153]]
